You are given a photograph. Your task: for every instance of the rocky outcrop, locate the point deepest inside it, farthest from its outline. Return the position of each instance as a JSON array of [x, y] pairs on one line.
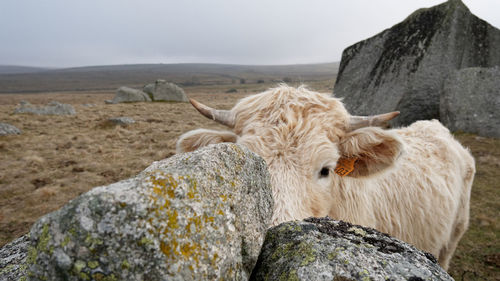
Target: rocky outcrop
[[471, 101], [52, 108], [8, 129], [194, 216], [126, 94], [404, 68], [323, 249], [162, 90]]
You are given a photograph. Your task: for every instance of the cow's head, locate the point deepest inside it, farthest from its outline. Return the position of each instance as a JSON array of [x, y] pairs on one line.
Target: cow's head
[[303, 136]]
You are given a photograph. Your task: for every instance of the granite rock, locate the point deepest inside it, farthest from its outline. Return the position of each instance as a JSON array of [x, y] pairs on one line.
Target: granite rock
[[195, 216], [52, 108], [8, 129], [126, 94], [324, 249], [471, 101], [404, 68], [162, 90]]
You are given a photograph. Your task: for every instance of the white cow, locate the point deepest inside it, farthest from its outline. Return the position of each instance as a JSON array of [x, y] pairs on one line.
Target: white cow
[[413, 183]]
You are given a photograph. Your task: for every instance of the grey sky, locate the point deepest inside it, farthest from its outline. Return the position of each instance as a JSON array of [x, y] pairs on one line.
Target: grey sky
[[64, 33]]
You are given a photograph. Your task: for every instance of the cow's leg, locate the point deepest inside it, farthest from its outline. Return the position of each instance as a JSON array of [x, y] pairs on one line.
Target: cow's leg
[[461, 221], [459, 229]]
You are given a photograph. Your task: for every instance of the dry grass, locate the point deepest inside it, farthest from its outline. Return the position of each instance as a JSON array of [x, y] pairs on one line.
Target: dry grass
[[57, 158]]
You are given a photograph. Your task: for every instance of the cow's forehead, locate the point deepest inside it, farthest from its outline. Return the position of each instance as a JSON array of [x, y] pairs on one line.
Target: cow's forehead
[[299, 109]]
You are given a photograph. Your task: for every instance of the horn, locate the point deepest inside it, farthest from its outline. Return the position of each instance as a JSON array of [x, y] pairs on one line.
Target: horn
[[381, 120], [224, 117]]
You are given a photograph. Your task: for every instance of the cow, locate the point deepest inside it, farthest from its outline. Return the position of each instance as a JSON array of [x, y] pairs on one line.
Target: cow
[[413, 183]]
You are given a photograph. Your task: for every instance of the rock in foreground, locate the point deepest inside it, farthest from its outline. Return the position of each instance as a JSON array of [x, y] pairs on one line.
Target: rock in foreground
[[324, 249], [194, 216]]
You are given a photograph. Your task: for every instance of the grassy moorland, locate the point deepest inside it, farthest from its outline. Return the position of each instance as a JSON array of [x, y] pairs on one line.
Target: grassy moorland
[[59, 157], [112, 77]]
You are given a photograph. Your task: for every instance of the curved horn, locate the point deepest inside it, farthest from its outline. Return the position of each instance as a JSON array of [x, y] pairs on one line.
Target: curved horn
[[381, 120], [224, 117]]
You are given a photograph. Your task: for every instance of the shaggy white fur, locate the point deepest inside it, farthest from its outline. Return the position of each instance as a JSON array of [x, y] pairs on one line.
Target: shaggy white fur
[[413, 183]]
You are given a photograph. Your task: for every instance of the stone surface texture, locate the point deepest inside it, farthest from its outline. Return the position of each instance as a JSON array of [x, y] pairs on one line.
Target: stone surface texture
[[13, 259], [8, 129], [404, 68], [324, 249], [121, 121], [194, 216], [471, 101], [52, 108], [162, 90], [126, 94]]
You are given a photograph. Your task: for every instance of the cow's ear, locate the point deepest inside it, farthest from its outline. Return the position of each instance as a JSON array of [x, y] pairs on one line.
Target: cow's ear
[[195, 139], [370, 149]]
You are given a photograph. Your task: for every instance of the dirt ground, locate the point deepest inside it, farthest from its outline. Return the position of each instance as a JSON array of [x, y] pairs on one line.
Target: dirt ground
[[57, 158]]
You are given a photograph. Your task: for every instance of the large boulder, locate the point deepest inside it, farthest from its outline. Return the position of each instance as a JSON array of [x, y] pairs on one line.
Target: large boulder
[[126, 94], [52, 108], [324, 249], [194, 216], [162, 90], [8, 129], [471, 101], [404, 68]]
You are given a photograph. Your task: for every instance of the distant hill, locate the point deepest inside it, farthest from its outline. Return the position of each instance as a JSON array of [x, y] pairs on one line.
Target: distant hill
[[137, 75], [16, 69]]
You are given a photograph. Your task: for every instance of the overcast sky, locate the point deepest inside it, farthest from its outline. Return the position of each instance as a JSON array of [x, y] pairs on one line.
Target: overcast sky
[[64, 33]]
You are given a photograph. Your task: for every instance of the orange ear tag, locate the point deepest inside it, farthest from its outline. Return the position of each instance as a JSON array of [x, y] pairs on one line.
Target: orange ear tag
[[345, 166]]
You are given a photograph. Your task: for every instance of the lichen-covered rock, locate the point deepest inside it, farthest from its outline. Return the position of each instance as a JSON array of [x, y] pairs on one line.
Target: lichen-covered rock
[[194, 216], [52, 108], [8, 129], [471, 101], [13, 259], [403, 68], [162, 90], [126, 94], [324, 249]]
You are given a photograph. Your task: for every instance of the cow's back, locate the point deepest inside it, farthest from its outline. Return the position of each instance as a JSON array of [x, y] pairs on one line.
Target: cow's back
[[428, 191]]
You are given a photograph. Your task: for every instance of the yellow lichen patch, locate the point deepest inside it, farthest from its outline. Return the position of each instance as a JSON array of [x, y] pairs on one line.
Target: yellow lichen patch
[[93, 264], [164, 184], [169, 249], [357, 230], [65, 241], [208, 218], [196, 221], [214, 259], [172, 219], [125, 264], [191, 250]]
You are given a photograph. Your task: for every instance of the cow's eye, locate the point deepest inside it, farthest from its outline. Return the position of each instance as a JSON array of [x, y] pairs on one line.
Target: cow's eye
[[324, 172]]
